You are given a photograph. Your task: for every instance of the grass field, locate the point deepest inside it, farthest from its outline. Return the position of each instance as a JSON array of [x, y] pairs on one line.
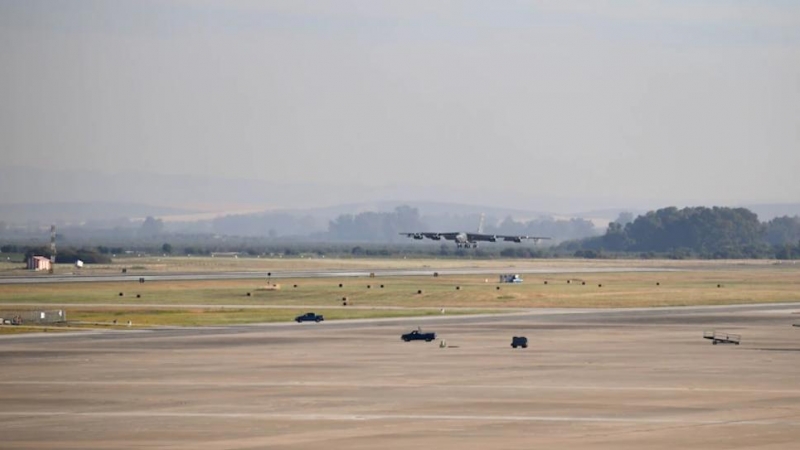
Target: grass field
[[183, 264], [22, 329], [197, 302], [231, 316]]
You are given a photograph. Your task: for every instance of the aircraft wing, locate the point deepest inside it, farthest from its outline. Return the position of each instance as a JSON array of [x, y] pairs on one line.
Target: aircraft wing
[[503, 237], [431, 235], [535, 239]]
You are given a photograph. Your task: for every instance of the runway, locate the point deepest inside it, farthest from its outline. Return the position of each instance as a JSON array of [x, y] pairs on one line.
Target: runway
[[150, 276], [605, 379]]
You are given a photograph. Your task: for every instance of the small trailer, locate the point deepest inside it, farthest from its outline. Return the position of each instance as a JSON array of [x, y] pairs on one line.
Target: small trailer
[[717, 337]]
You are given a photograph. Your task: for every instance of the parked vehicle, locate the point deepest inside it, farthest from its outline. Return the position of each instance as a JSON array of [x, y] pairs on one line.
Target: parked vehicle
[[309, 317], [418, 335], [510, 278], [519, 341]]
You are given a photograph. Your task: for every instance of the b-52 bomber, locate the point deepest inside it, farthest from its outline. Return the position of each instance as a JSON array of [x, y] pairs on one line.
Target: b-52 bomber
[[467, 239]]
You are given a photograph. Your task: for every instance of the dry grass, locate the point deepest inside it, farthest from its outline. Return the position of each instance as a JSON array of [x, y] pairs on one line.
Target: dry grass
[[192, 302], [177, 264], [217, 316], [740, 284], [22, 329]]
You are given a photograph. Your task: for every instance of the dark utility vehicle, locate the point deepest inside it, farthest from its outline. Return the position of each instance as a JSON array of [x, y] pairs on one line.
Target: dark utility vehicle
[[418, 335], [309, 317], [519, 341]]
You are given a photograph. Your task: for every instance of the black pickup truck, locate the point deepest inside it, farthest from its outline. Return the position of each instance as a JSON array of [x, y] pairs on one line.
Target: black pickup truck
[[418, 335], [309, 317]]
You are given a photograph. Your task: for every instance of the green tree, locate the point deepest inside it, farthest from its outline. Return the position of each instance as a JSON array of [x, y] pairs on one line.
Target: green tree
[[615, 238], [782, 230]]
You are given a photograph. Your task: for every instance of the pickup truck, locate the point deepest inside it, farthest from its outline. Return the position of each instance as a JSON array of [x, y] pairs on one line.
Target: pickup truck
[[418, 335], [309, 317], [519, 341]]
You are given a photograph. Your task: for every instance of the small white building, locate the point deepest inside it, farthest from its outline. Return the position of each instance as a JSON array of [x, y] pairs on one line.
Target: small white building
[[39, 263]]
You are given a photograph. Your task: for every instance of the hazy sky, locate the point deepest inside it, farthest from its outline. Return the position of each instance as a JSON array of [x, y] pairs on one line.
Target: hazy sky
[[619, 101]]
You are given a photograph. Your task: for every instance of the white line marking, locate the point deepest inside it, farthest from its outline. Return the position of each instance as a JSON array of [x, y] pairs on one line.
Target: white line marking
[[367, 417], [334, 384]]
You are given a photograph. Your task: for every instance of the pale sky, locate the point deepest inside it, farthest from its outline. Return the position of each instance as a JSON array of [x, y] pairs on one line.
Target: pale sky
[[622, 101]]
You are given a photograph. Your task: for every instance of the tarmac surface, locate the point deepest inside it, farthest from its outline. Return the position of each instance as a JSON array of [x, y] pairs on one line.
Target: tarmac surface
[[611, 379]]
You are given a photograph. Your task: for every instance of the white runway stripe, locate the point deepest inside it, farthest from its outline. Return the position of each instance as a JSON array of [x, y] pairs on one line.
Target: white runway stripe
[[412, 417], [334, 384]]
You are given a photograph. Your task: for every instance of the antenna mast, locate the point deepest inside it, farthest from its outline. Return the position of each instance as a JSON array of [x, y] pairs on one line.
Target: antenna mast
[[52, 247]]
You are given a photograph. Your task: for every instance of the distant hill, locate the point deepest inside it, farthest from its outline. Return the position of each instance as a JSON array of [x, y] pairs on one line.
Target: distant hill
[[426, 208], [212, 193], [79, 212], [39, 194], [609, 215]]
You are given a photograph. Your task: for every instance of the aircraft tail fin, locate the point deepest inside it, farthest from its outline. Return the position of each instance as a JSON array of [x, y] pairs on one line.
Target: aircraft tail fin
[[480, 225]]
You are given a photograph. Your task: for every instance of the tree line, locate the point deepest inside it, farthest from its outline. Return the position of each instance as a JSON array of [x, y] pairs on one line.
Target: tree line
[[696, 232]]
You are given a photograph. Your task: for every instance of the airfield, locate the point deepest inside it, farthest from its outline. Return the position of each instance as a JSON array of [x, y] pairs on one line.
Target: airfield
[[618, 376]]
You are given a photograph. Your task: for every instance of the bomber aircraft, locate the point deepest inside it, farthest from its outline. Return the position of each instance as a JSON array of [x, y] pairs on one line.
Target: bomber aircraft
[[467, 239]]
